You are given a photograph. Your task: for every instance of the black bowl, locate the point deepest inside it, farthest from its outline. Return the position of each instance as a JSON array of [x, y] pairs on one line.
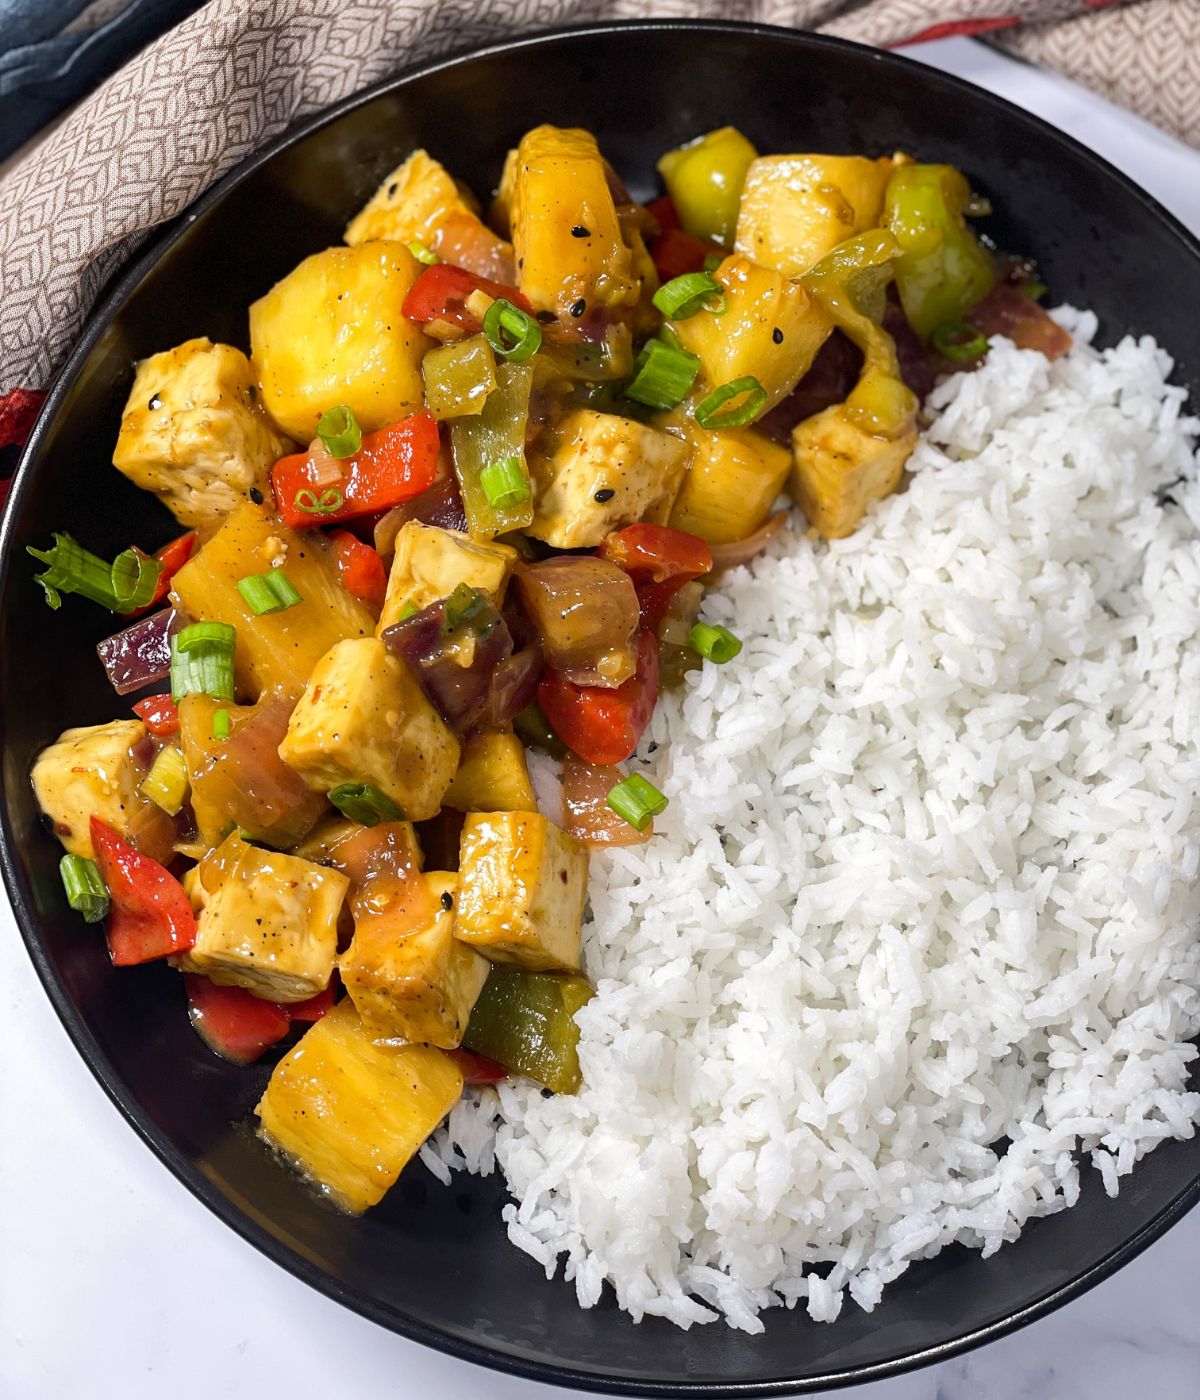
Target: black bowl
[[433, 1263]]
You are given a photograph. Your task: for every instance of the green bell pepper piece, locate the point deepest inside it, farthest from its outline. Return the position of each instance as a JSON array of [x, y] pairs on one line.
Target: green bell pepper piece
[[525, 1021], [458, 377], [478, 440], [705, 179]]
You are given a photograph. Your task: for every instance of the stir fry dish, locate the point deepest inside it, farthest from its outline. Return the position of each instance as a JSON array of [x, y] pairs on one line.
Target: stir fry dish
[[460, 502]]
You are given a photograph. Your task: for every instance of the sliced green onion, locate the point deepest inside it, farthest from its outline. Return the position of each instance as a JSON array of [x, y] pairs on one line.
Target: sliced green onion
[[324, 504], [410, 609], [708, 413], [202, 661], [423, 254], [511, 332], [220, 725], [339, 431], [271, 592], [166, 784], [1034, 289], [712, 262], [467, 607], [959, 341], [662, 375], [86, 891], [714, 643], [505, 484], [365, 804], [636, 800], [122, 586], [682, 297]]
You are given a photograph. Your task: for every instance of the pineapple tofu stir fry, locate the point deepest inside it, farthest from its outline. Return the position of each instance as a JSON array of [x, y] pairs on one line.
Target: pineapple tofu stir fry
[[461, 501]]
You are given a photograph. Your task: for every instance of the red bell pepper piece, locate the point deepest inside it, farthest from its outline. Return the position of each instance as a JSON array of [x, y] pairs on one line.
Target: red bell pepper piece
[[392, 465], [233, 1022], [677, 252], [159, 714], [149, 914], [441, 291], [663, 210], [660, 561], [477, 1069], [361, 569], [172, 557], [603, 726], [316, 1006]]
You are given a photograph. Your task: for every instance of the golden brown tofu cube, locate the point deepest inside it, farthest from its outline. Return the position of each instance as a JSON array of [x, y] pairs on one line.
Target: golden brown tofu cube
[[430, 563], [364, 719], [350, 1112], [415, 984], [840, 469], [492, 776], [522, 884], [195, 433], [267, 922], [732, 481], [98, 771], [602, 472]]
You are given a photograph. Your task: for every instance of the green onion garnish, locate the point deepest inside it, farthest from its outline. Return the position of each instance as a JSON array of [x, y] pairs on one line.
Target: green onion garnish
[[220, 725], [505, 483], [712, 262], [467, 607], [365, 804], [511, 332], [714, 643], [271, 592], [662, 375], [324, 504], [636, 800], [122, 586], [166, 784], [1034, 289], [708, 413], [202, 661], [682, 297], [339, 431], [410, 609], [86, 891], [423, 254], [959, 341]]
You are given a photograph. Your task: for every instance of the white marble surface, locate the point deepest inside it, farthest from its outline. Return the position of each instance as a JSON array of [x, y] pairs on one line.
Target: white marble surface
[[115, 1282]]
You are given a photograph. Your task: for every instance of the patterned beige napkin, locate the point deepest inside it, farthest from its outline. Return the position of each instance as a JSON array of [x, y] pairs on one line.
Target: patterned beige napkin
[[238, 72]]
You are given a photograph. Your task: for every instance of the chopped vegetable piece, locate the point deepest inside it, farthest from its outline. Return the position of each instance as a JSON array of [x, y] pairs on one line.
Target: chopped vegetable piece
[[458, 377], [150, 915], [86, 891], [268, 593], [959, 341], [339, 431], [364, 804], [585, 610], [660, 560], [360, 569], [1007, 311], [495, 434], [684, 296], [662, 211], [677, 253], [139, 654], [314, 1007], [202, 661], [441, 505], [663, 375], [604, 726], [705, 178], [422, 254], [477, 1069], [589, 818], [505, 484], [511, 332], [166, 784], [172, 557], [123, 586], [159, 714], [392, 465], [708, 412], [526, 1022], [440, 294], [717, 644], [468, 608], [220, 725], [232, 1022], [636, 800]]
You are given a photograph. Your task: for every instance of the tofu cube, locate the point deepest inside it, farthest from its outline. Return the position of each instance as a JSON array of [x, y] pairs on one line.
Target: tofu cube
[[840, 469], [522, 883], [267, 921], [492, 776], [430, 563], [634, 470], [194, 431], [349, 1111], [97, 771], [364, 719], [415, 984]]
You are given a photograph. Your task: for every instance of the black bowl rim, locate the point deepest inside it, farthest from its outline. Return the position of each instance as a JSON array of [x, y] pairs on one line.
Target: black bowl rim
[[105, 1073]]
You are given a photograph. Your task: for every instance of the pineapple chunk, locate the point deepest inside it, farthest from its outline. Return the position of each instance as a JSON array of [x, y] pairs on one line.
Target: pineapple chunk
[[559, 182], [601, 453], [840, 469], [276, 651], [522, 883], [795, 209], [98, 771], [195, 433], [418, 985], [351, 1112], [771, 328], [420, 202], [267, 921], [493, 775], [732, 482], [430, 563], [364, 719], [332, 332]]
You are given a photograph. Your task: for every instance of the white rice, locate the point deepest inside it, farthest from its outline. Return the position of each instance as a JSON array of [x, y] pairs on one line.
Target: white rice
[[928, 880]]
